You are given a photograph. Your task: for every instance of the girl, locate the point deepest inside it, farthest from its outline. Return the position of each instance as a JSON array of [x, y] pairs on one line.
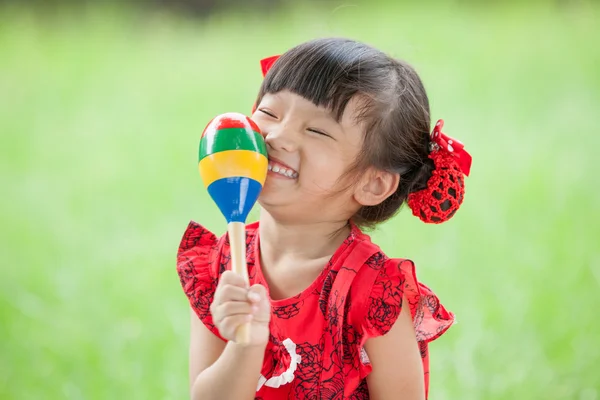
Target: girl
[[331, 316]]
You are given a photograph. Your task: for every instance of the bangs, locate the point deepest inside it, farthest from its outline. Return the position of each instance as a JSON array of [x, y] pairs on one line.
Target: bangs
[[327, 72]]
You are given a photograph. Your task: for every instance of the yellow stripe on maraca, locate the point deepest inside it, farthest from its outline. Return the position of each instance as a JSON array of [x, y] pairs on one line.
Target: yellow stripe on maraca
[[232, 163]]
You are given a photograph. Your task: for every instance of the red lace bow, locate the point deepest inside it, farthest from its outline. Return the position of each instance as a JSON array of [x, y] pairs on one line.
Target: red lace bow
[[452, 146], [445, 190]]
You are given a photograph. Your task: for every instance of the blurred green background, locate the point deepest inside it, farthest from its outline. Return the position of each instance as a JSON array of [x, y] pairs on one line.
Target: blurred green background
[[101, 109]]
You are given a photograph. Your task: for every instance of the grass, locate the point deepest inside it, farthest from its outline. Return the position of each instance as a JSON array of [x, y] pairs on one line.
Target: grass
[[100, 114]]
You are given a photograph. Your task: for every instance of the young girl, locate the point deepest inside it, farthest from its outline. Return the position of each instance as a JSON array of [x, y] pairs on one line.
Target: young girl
[[331, 316]]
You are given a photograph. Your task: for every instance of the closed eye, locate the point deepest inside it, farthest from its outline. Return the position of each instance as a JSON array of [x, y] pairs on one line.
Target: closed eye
[[318, 132], [267, 113]]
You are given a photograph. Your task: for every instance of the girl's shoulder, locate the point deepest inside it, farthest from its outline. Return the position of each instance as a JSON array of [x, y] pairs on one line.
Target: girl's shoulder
[[383, 286], [195, 252], [201, 259], [201, 251]]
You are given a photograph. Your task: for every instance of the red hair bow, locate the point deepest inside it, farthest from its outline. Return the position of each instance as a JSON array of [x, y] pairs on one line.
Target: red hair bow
[[452, 146], [267, 63]]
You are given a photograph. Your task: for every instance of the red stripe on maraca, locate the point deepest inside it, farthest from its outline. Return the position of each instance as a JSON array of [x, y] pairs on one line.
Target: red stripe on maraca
[[255, 127], [233, 121]]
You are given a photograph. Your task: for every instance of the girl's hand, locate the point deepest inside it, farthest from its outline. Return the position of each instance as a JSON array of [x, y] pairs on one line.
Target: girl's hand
[[234, 304]]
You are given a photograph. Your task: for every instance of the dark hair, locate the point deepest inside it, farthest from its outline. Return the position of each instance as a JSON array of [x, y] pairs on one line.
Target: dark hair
[[329, 72]]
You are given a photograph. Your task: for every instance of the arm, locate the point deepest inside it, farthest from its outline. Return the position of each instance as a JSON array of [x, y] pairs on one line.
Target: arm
[[220, 370], [397, 366]]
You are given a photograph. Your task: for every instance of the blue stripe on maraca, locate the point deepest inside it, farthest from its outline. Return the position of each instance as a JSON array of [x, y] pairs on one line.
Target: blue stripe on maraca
[[235, 196]]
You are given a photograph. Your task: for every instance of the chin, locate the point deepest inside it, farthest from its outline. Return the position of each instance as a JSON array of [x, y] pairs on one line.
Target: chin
[[270, 203], [273, 195], [279, 209]]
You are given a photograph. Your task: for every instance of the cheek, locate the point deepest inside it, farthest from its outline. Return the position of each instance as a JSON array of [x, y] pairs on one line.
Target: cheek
[[323, 168], [259, 122]]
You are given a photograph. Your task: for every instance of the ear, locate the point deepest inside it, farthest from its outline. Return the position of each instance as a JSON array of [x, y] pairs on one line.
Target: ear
[[375, 186]]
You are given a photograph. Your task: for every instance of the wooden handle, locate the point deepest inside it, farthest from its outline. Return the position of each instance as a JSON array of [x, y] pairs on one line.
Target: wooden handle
[[237, 243]]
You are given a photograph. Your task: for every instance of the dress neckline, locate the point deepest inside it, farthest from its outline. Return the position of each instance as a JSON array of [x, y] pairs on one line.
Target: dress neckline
[[338, 256]]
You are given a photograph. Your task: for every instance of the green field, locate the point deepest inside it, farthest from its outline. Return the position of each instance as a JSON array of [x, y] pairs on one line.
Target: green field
[[100, 115]]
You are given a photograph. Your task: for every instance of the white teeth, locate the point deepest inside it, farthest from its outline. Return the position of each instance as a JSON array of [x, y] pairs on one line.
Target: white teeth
[[282, 171]]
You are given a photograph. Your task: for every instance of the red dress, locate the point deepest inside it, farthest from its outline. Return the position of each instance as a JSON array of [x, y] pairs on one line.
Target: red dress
[[316, 346]]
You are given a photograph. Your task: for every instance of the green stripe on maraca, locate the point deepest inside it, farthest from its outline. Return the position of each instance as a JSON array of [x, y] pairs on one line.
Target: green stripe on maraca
[[231, 139]]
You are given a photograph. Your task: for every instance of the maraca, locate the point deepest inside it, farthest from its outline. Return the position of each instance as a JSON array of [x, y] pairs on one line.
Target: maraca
[[233, 166]]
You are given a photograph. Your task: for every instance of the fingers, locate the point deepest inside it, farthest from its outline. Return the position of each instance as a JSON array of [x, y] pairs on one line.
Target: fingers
[[232, 308], [231, 297], [231, 287], [231, 278], [234, 304], [227, 292], [229, 324]]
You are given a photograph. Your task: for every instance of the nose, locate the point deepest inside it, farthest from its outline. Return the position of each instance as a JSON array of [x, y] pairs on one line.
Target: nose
[[281, 136]]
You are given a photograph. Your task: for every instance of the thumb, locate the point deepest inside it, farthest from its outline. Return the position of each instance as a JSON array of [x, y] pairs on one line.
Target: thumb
[[257, 294]]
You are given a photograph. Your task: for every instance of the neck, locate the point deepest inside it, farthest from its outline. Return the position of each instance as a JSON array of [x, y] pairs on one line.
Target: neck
[[282, 241]]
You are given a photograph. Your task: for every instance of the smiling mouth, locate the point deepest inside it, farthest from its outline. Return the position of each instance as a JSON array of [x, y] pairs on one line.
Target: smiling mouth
[[283, 170]]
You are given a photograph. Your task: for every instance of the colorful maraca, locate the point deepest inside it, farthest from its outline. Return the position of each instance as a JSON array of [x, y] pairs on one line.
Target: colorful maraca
[[233, 166]]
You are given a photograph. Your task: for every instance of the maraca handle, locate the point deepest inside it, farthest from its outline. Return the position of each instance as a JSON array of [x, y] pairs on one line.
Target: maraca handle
[[237, 244]]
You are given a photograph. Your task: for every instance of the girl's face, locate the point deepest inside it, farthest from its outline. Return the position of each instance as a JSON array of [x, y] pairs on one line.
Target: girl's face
[[308, 152]]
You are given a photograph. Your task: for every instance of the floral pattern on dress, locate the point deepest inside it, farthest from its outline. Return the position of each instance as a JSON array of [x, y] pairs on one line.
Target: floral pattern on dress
[[358, 296]]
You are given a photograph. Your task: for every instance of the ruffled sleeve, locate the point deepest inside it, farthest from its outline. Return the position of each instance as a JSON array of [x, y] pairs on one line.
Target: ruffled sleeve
[[197, 274], [397, 279], [378, 301]]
